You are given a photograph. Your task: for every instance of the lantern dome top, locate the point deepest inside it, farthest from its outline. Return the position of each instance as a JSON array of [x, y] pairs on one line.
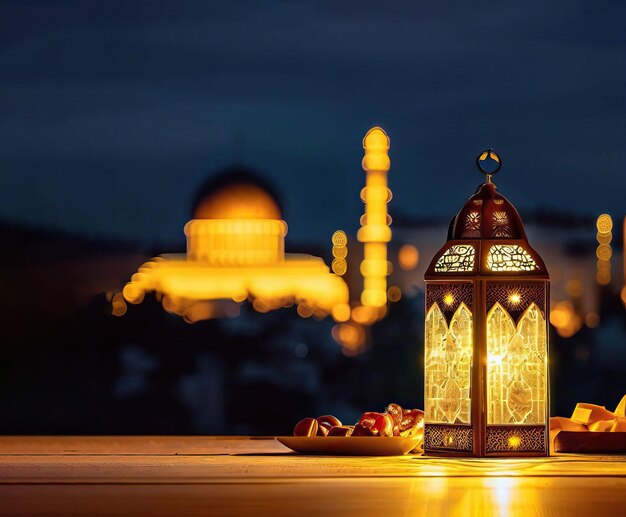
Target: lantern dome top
[[487, 215], [487, 235]]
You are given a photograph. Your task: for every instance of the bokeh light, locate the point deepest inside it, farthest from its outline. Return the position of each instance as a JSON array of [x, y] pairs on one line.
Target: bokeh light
[[408, 257], [574, 287], [604, 223], [394, 293], [565, 319]]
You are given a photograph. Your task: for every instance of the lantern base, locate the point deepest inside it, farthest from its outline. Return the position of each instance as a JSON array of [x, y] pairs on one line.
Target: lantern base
[[449, 438], [496, 440], [513, 440]]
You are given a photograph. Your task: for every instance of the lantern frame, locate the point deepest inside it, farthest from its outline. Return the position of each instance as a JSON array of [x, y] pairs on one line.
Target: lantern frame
[[527, 284]]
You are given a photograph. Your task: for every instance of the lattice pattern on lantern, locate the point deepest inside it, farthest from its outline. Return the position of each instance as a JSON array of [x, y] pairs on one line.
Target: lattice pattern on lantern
[[449, 296], [501, 226], [458, 258], [516, 439], [515, 297], [450, 437], [516, 367], [472, 223], [448, 358], [510, 257]]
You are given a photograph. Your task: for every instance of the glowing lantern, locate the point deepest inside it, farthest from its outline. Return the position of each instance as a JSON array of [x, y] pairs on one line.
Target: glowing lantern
[[486, 340]]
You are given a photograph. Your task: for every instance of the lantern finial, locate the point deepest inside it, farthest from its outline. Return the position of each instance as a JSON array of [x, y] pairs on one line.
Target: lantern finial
[[489, 163]]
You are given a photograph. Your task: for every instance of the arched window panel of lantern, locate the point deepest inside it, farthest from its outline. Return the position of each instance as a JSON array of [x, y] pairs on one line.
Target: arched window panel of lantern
[[448, 352], [517, 398], [510, 258], [458, 258]]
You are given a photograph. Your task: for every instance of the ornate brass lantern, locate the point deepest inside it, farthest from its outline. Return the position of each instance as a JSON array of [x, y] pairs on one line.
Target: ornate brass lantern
[[486, 339]]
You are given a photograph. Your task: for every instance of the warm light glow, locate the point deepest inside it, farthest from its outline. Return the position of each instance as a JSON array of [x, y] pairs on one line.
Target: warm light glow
[[339, 266], [132, 292], [199, 312], [236, 242], [300, 277], [604, 252], [565, 319], [592, 320], [603, 277], [236, 251], [238, 201], [118, 305], [341, 312], [516, 381], [574, 288], [304, 311], [514, 441], [340, 252], [351, 338], [448, 358], [458, 258], [515, 298], [487, 397], [394, 293], [408, 257], [509, 257], [375, 232], [365, 315], [339, 239], [604, 223], [505, 494]]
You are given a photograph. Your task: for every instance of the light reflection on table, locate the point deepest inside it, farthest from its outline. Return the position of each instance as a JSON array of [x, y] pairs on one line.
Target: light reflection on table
[[237, 476]]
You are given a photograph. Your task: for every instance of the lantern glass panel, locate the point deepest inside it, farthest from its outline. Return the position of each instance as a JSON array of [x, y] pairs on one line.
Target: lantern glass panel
[[516, 366], [448, 357], [508, 257], [458, 258]]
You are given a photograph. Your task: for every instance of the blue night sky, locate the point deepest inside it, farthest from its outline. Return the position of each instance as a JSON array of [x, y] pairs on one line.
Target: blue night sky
[[112, 113]]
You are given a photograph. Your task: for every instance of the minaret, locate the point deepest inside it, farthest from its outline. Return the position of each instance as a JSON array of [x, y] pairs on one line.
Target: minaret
[[375, 232]]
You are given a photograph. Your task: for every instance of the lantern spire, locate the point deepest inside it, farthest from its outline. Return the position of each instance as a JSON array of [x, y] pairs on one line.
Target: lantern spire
[[485, 162]]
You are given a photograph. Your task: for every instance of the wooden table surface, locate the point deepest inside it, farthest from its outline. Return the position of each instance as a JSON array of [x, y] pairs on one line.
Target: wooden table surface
[[150, 475]]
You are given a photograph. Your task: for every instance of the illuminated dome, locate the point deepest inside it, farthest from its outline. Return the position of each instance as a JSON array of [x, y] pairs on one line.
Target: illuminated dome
[[236, 193], [236, 221], [235, 252]]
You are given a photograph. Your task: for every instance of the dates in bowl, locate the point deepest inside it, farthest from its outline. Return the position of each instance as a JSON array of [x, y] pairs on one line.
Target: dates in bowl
[[394, 421]]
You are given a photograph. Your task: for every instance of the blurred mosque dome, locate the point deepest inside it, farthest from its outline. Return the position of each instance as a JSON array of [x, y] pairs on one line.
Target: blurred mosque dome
[[236, 193], [237, 221], [236, 252]]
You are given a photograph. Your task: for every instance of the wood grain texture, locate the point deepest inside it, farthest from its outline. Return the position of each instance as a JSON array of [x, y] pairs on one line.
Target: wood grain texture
[[157, 476]]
